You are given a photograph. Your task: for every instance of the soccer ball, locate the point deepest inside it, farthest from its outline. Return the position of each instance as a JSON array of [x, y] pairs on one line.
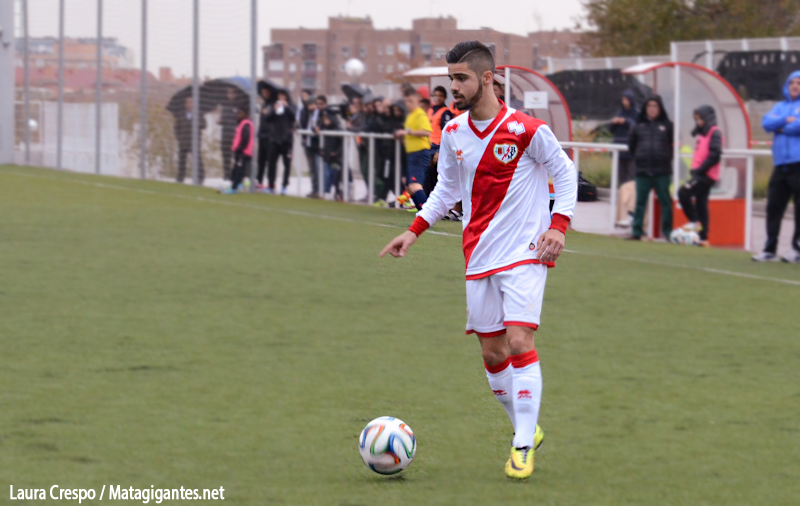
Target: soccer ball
[[684, 237], [387, 445]]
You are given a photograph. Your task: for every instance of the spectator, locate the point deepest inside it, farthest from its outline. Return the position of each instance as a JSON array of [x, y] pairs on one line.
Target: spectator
[[357, 122], [183, 134], [398, 121], [651, 143], [439, 114], [264, 133], [242, 149], [331, 154], [369, 108], [308, 121], [705, 171], [498, 91], [784, 183], [355, 116], [620, 128], [380, 122], [417, 141], [425, 105], [228, 121], [302, 110], [280, 141]]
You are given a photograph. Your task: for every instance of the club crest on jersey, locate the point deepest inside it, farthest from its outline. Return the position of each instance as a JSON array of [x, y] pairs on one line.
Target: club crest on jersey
[[506, 153], [452, 127], [516, 128]]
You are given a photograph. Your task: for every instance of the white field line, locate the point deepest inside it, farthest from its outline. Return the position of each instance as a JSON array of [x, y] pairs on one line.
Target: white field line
[[384, 225]]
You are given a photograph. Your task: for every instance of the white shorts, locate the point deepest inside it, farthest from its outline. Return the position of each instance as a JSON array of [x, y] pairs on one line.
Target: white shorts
[[512, 297]]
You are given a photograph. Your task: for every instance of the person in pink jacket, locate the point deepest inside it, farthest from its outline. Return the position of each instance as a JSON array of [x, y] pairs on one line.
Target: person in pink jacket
[[705, 171], [242, 149]]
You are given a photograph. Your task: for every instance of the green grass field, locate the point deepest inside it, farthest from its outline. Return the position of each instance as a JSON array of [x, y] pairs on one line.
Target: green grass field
[[155, 334]]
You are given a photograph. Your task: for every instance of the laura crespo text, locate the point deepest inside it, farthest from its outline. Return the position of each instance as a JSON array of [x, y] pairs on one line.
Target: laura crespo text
[[118, 493]]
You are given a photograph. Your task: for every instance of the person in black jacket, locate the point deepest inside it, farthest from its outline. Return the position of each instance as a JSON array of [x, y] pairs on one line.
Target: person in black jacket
[[331, 153], [621, 125], [183, 134], [307, 117], [705, 171], [379, 122], [228, 120], [651, 143], [264, 133], [280, 142]]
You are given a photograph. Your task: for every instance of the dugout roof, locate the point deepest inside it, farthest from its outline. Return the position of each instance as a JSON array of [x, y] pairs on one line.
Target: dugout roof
[[683, 88]]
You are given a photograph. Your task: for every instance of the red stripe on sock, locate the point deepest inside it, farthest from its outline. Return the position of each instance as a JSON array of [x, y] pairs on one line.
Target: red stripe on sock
[[494, 369], [524, 359]]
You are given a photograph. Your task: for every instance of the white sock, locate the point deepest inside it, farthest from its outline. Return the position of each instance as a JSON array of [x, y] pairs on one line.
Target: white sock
[[527, 396], [500, 381]]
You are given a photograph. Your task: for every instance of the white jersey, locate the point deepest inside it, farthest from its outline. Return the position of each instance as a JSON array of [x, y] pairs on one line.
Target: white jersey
[[500, 175]]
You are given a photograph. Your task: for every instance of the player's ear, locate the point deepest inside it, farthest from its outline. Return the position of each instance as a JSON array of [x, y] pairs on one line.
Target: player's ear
[[487, 78]]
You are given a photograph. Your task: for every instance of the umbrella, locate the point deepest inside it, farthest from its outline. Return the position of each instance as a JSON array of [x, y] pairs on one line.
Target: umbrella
[[273, 89], [176, 104], [216, 91], [352, 91], [212, 93]]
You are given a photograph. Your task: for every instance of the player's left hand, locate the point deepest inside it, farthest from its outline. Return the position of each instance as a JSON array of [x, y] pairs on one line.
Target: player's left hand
[[550, 245]]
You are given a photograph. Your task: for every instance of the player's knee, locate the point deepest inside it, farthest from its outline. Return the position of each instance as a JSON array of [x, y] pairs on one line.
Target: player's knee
[[494, 356], [520, 339], [495, 350]]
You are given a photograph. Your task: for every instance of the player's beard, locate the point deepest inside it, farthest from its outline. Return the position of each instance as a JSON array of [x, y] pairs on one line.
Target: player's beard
[[467, 104]]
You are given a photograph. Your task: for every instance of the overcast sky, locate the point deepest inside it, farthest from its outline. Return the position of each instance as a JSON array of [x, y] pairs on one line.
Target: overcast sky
[[225, 26]]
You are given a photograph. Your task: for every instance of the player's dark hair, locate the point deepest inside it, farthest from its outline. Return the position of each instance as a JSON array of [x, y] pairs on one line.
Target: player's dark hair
[[323, 98], [410, 92], [442, 89], [476, 55]]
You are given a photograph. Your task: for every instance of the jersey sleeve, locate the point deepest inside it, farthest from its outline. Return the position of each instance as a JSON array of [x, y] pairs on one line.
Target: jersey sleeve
[[546, 151], [447, 191]]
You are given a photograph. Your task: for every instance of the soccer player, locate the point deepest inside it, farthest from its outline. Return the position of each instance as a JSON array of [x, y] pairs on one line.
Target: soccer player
[[417, 134], [497, 161]]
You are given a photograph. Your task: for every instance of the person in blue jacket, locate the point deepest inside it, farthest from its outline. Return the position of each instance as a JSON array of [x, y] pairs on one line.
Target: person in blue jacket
[[784, 121]]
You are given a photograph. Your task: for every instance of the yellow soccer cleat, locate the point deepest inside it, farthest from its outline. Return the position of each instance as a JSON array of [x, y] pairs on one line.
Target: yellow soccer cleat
[[520, 463]]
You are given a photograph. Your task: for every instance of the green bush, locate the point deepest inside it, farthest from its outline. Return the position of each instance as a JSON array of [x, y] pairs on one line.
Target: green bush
[[596, 168]]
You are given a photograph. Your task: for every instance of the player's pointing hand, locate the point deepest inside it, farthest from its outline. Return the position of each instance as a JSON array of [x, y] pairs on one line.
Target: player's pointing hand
[[398, 246]]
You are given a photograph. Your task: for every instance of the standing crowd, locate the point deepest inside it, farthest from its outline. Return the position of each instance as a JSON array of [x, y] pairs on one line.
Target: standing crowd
[[418, 119]]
